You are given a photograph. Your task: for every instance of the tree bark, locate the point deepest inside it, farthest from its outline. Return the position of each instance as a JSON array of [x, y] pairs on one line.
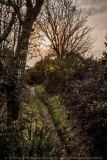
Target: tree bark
[[13, 106]]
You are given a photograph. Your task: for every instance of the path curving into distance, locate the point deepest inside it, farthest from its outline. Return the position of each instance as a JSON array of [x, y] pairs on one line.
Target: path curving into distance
[[47, 119]]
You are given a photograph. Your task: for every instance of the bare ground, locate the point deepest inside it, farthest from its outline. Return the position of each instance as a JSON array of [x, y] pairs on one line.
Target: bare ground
[[47, 119]]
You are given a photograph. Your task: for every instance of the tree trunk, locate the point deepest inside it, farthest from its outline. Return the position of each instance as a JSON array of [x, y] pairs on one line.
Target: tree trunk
[[13, 106]]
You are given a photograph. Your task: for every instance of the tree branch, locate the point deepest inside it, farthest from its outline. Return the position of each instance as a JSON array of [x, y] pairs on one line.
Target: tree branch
[[8, 29], [15, 7], [37, 8]]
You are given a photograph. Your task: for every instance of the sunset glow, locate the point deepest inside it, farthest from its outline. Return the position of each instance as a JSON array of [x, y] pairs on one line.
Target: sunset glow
[[45, 43]]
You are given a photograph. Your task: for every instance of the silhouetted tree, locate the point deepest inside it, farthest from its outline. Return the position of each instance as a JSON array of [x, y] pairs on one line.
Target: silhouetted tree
[[17, 19], [61, 22], [106, 39]]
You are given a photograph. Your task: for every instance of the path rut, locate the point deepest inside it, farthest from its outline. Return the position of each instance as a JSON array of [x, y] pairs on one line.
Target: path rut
[[47, 119]]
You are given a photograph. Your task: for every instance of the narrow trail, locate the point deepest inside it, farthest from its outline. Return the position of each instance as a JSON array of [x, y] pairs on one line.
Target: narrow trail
[[47, 119]]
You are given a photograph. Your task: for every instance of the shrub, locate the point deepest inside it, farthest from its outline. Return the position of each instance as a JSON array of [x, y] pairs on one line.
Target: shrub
[[86, 101], [52, 74], [32, 143]]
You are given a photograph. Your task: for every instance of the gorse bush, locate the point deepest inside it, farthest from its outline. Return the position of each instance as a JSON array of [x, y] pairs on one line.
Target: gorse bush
[[36, 74], [61, 73], [86, 100], [52, 74], [78, 70]]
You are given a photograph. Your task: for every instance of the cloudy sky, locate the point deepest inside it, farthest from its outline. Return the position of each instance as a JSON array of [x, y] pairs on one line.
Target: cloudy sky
[[98, 18]]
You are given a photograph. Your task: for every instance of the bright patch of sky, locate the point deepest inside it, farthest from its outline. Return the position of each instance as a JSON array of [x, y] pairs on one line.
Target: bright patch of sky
[[98, 18]]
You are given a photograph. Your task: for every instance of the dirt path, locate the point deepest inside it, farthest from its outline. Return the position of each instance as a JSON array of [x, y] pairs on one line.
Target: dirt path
[[47, 119]]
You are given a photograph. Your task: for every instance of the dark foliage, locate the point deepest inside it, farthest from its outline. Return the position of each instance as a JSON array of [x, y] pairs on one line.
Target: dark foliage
[[86, 100]]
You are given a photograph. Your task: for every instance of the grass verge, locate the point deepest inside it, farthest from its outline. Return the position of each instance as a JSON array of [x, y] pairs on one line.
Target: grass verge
[[38, 111], [59, 115]]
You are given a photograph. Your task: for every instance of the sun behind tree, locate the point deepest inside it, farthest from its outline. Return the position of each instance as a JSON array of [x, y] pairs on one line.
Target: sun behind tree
[[61, 23]]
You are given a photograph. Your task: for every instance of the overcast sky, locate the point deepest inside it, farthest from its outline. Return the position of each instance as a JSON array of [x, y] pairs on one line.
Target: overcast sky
[[98, 18]]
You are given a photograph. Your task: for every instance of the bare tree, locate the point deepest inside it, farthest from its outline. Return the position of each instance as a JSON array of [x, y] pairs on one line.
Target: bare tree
[[104, 54], [17, 19], [106, 39], [61, 22]]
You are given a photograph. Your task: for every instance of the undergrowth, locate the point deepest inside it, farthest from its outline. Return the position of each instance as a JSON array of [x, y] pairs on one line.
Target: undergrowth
[[27, 138], [59, 115], [38, 110]]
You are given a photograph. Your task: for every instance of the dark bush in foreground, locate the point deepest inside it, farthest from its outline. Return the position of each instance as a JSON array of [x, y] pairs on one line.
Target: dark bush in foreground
[[86, 100]]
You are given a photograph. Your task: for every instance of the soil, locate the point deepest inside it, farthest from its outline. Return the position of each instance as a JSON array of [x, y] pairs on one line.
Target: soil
[[47, 119]]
